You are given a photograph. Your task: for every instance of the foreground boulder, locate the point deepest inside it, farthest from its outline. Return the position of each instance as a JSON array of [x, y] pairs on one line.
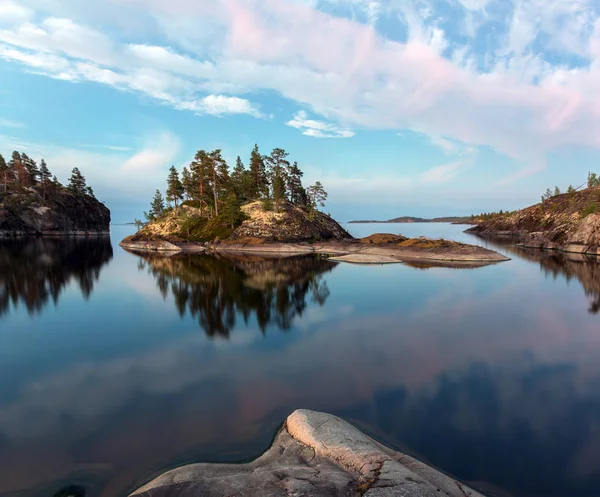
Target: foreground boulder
[[314, 454], [62, 213]]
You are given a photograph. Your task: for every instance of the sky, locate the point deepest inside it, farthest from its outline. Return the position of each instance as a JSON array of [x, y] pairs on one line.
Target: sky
[[399, 107]]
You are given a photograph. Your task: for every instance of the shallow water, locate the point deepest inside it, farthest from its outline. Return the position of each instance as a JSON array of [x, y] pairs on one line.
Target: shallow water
[[115, 367]]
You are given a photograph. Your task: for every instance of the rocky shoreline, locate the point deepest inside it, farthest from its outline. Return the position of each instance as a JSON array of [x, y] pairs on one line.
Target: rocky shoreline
[[314, 454], [361, 253]]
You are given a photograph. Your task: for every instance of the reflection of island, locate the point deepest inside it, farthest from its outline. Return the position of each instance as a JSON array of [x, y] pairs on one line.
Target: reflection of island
[[35, 271], [218, 289], [585, 268]]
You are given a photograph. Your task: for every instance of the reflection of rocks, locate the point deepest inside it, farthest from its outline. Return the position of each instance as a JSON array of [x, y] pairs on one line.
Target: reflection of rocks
[[217, 290], [585, 268], [35, 271], [314, 454]]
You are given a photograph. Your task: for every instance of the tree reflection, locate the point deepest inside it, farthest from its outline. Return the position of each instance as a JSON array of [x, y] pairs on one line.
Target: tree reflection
[[35, 271], [218, 290]]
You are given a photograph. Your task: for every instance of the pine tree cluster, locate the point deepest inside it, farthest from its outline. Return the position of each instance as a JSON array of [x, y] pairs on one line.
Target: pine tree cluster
[[208, 184], [21, 173]]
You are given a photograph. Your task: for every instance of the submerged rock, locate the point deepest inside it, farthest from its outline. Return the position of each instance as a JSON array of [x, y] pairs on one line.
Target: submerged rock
[[314, 454]]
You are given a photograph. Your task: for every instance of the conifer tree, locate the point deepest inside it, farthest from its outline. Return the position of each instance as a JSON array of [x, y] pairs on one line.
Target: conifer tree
[[219, 175], [199, 168], [231, 210], [45, 178], [55, 182], [174, 187], [317, 195], [296, 191], [238, 178], [90, 192], [31, 172], [4, 172], [188, 183], [157, 207], [259, 184], [77, 185], [278, 164], [556, 191], [15, 167]]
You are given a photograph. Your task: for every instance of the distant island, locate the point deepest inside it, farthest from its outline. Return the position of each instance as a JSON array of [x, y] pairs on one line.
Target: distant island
[[266, 209], [410, 219], [34, 202]]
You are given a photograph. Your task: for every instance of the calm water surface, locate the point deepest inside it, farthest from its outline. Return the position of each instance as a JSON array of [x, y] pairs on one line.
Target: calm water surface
[[115, 367]]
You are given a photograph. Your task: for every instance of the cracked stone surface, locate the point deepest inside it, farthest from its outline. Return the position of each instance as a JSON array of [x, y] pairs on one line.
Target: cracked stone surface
[[314, 454]]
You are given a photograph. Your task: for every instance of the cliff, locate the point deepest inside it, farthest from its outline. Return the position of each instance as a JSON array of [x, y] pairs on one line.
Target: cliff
[[62, 213], [569, 222]]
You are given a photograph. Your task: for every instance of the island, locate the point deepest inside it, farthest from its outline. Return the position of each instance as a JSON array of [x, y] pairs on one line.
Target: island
[[314, 454], [34, 203], [410, 219], [265, 209], [567, 222]]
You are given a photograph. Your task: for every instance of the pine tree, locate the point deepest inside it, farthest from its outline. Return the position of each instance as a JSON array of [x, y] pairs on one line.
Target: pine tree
[[174, 187], [55, 182], [45, 178], [188, 183], [317, 195], [593, 180], [231, 210], [296, 191], [90, 192], [219, 174], [556, 191], [4, 172], [15, 167], [259, 184], [77, 185], [199, 173], [157, 207], [238, 176], [31, 172], [278, 165]]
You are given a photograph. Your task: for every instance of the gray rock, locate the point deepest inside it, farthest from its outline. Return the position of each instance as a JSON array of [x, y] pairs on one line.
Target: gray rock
[[314, 454]]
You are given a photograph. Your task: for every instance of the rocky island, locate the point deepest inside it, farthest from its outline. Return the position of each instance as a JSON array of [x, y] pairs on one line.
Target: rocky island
[[567, 222], [34, 203], [265, 209], [314, 454]]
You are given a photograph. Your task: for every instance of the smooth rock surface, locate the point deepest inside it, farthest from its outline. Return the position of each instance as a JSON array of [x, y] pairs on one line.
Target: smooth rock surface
[[314, 454]]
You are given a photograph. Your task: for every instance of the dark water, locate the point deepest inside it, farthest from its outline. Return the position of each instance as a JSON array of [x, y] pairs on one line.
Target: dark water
[[115, 367]]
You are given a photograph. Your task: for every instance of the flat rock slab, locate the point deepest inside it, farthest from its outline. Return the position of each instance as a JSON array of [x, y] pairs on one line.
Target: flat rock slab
[[314, 454], [359, 258]]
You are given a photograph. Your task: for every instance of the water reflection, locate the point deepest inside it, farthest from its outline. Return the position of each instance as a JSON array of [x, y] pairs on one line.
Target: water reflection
[[36, 271], [218, 290], [586, 269]]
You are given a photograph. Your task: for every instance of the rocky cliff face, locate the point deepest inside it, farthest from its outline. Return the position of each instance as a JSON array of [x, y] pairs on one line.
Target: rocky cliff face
[[291, 224], [569, 222], [62, 213]]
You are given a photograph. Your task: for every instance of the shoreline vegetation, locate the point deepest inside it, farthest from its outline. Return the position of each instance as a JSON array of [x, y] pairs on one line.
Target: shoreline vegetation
[[265, 209], [565, 222], [33, 202]]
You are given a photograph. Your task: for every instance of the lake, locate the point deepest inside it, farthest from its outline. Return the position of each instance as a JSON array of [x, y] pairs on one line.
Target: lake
[[115, 367]]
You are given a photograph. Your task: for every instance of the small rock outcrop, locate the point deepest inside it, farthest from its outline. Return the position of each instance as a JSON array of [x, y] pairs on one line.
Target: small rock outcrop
[[290, 224], [569, 222], [314, 454], [62, 213]]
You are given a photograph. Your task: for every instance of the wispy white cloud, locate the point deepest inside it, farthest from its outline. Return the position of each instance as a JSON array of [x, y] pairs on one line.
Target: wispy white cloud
[[444, 173], [317, 129], [7, 123], [506, 91], [158, 153]]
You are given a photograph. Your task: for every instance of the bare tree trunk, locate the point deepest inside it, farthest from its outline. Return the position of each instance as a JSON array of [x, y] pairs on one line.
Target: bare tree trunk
[[215, 191]]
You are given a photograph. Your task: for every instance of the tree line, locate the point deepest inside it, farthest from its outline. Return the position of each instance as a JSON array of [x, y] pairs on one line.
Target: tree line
[[22, 173], [208, 184], [593, 181]]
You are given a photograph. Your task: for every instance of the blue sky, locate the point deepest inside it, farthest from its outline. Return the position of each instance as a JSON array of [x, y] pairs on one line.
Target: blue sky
[[400, 107]]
